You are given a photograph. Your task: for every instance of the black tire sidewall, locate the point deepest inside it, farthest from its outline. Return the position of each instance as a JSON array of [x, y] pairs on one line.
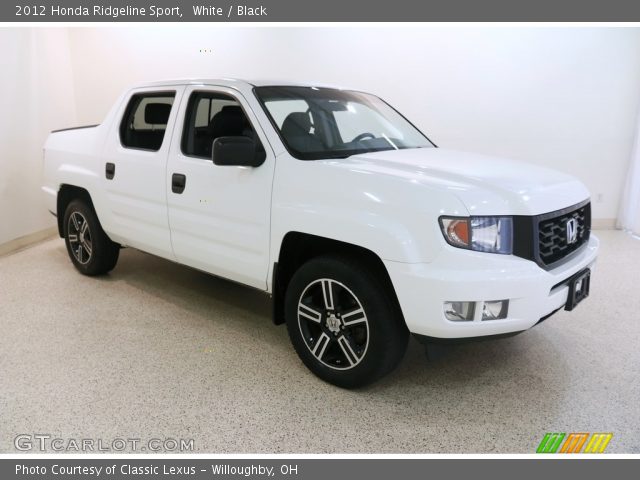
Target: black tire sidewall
[[104, 253], [388, 335]]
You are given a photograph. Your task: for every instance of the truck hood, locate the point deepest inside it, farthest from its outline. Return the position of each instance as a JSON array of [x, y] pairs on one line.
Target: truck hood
[[486, 185]]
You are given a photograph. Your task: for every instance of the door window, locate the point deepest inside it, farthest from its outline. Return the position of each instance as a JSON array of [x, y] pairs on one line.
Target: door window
[[145, 120], [211, 115]]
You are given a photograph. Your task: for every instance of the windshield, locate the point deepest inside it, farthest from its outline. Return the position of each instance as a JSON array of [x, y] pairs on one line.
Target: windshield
[[317, 123]]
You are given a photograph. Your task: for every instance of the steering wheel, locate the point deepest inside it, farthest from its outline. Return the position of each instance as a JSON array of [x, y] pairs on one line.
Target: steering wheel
[[362, 136]]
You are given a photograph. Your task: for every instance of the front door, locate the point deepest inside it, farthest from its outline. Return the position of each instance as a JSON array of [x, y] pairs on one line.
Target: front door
[[219, 215]]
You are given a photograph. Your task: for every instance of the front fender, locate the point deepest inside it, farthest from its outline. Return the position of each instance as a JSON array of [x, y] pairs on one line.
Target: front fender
[[394, 217]]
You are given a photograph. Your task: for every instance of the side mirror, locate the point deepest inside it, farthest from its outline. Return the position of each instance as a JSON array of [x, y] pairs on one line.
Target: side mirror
[[237, 151]]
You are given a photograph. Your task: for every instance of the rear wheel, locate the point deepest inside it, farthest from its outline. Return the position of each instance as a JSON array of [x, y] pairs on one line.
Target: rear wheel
[[343, 322], [90, 249]]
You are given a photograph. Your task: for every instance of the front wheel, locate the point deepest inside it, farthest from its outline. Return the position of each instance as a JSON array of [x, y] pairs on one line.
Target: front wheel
[[343, 322], [90, 249]]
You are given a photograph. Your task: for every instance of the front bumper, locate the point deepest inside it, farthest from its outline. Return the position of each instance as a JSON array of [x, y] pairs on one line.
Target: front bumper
[[463, 275]]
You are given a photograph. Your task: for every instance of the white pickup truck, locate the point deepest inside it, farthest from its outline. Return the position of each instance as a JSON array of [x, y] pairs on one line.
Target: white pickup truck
[[332, 202]]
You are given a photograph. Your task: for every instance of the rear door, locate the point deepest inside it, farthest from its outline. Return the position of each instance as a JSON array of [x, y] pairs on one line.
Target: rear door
[[219, 215], [135, 166]]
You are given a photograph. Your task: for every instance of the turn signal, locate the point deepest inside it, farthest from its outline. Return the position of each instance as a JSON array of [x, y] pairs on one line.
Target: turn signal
[[457, 231]]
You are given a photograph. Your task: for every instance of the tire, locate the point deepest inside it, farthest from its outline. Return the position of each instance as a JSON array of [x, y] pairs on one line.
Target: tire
[[352, 337], [90, 249]]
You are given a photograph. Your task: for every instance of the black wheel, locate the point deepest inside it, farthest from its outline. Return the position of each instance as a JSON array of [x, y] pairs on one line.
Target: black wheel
[[343, 322], [90, 249]]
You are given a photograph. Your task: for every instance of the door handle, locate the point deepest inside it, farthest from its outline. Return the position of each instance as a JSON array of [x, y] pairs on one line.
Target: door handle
[[109, 170], [178, 182]]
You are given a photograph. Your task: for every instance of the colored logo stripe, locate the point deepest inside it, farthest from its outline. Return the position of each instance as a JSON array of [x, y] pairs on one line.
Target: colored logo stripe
[[550, 443], [598, 442], [574, 442]]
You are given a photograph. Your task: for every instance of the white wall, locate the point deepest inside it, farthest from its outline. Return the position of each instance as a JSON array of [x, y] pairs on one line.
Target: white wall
[[36, 95], [561, 97]]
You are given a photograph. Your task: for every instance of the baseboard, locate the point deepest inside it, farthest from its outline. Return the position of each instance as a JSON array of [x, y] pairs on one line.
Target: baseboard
[[603, 223], [27, 240]]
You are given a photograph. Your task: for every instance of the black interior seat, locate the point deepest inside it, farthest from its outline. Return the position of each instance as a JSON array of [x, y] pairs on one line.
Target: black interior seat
[[230, 121], [296, 130], [156, 115]]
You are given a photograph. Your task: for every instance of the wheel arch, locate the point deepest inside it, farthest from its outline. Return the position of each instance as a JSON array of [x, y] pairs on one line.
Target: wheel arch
[[66, 194], [297, 248]]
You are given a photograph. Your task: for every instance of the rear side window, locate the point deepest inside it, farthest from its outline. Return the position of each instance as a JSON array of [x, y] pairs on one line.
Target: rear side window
[[145, 120]]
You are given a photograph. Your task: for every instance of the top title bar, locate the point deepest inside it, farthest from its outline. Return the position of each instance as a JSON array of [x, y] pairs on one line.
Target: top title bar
[[320, 11]]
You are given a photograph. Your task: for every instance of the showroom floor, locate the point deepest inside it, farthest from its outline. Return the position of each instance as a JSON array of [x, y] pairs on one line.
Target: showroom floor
[[158, 350]]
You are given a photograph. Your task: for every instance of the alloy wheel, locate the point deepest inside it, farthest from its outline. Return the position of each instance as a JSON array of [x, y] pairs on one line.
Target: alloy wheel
[[333, 324], [79, 236]]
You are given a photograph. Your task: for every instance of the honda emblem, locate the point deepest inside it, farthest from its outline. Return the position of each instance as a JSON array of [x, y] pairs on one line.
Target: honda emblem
[[572, 231]]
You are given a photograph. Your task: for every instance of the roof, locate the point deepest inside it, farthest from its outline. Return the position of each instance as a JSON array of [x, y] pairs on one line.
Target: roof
[[234, 82]]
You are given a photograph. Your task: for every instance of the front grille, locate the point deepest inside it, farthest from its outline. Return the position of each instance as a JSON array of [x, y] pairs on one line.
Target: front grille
[[543, 238], [553, 241]]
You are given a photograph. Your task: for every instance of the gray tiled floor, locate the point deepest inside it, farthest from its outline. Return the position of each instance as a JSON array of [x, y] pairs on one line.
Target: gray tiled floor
[[159, 350]]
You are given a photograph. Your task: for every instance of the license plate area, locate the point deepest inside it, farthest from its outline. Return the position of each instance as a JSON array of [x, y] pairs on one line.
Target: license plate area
[[578, 289]]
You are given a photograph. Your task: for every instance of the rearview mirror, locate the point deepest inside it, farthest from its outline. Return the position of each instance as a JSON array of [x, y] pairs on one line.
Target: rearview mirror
[[237, 151]]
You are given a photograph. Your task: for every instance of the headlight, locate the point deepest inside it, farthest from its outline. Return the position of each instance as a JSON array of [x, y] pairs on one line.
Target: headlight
[[482, 234]]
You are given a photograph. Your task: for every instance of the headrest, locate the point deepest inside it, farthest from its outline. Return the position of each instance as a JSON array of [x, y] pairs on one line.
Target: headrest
[[296, 124], [157, 113], [232, 110], [228, 121]]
